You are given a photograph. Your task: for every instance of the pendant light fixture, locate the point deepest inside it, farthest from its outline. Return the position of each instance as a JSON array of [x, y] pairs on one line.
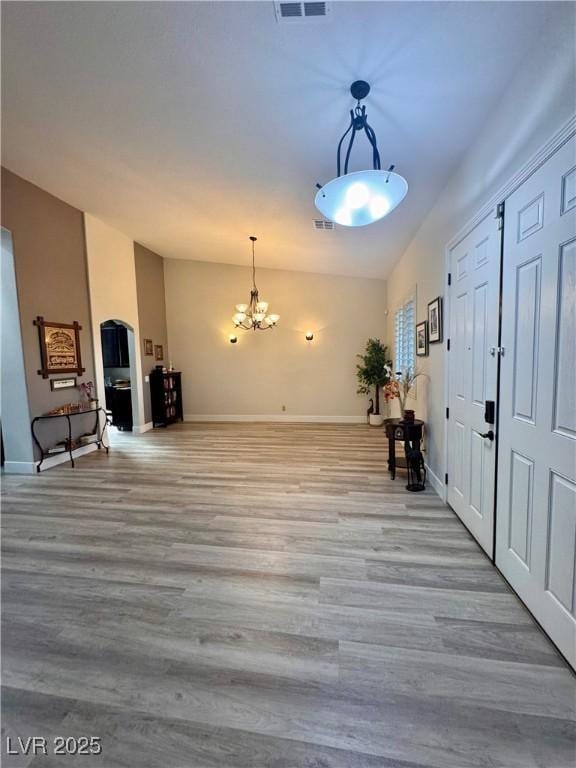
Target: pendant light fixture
[[360, 198], [254, 316]]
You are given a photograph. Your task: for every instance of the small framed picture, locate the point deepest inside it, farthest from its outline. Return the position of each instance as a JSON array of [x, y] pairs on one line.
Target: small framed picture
[[435, 320], [159, 352], [148, 347], [422, 339], [62, 384]]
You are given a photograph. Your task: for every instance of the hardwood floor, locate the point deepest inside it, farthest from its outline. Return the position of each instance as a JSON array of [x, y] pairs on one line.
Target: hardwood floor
[[264, 596]]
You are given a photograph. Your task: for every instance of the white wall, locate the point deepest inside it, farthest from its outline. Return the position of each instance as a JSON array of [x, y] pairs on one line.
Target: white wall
[[539, 101], [268, 369], [112, 278], [14, 409]]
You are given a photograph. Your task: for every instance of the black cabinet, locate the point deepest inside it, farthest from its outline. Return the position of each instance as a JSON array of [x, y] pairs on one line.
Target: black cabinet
[[114, 346], [166, 397], [119, 403]]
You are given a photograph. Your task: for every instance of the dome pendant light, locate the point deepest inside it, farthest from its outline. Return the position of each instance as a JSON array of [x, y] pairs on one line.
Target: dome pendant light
[[360, 198]]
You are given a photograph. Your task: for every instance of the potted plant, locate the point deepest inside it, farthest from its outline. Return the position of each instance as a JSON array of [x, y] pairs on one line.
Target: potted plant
[[373, 373]]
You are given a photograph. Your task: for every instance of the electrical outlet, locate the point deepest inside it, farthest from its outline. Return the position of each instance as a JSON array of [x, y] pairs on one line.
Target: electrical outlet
[[283, 407], [147, 379]]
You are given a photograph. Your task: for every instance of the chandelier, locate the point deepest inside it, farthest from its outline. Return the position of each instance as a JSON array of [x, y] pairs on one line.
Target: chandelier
[[253, 316], [360, 198]]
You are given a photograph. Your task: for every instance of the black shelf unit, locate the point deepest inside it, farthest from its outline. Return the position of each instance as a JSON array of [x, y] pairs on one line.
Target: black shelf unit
[[166, 397]]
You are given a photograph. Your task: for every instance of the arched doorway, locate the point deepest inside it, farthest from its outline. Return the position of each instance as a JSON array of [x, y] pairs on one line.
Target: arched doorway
[[119, 369]]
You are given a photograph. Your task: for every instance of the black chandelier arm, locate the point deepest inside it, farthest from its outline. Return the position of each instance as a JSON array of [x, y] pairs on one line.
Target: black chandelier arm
[[349, 151], [372, 139], [350, 127]]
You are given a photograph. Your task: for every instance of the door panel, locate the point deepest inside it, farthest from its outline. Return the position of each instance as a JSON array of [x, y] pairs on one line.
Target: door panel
[[475, 269], [536, 505]]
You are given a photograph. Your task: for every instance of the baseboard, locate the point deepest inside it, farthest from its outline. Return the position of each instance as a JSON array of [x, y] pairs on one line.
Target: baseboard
[[140, 429], [19, 467], [29, 467], [436, 483], [284, 418]]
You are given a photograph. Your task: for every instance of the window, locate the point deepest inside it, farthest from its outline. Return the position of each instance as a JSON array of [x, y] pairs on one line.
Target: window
[[404, 332]]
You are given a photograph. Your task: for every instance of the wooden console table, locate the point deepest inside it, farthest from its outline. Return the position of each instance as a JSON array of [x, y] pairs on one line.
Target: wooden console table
[[95, 436], [406, 432]]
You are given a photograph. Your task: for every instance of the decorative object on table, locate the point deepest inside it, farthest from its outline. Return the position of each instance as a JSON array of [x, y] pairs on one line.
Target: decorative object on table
[[59, 347], [374, 373], [166, 397], [360, 198], [409, 416], [159, 352], [416, 468], [86, 391], [435, 320], [70, 444], [254, 315], [56, 384], [400, 386], [397, 430], [422, 339], [148, 347]]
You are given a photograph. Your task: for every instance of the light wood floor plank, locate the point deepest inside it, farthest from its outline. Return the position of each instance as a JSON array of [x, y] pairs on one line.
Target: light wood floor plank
[[265, 596]]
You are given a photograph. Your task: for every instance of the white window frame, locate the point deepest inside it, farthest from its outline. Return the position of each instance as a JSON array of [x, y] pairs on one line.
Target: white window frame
[[405, 335]]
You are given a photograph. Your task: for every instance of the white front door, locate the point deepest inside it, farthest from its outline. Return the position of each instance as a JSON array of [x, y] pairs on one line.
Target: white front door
[[473, 333], [536, 505]]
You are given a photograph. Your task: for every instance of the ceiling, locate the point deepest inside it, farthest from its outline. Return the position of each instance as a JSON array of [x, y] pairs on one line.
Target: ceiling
[[190, 126]]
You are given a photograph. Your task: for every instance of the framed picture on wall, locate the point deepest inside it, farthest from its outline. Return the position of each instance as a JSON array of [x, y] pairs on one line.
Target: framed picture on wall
[[422, 339], [148, 347], [59, 347], [435, 320], [159, 352]]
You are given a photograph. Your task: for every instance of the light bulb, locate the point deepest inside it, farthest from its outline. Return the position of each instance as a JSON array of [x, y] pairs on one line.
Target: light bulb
[[238, 318], [273, 319], [259, 316], [343, 217], [262, 306], [357, 195], [241, 307], [379, 206]]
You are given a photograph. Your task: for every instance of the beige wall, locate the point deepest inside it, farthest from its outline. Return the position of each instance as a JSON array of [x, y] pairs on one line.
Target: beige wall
[[113, 295], [268, 369], [539, 100], [151, 312], [51, 279]]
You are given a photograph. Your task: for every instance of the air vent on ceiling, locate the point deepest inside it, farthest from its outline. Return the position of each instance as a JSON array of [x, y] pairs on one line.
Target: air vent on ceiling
[[291, 12], [323, 224]]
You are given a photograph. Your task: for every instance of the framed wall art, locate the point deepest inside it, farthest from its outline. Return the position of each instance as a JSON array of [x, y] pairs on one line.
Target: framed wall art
[[59, 347], [56, 384], [435, 320], [159, 352], [422, 339], [148, 347]]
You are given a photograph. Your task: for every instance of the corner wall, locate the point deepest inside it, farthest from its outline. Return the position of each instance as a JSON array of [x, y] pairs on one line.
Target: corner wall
[[539, 101], [151, 313], [113, 296], [268, 369]]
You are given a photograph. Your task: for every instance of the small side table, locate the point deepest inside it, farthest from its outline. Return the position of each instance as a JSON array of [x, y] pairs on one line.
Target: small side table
[[406, 432]]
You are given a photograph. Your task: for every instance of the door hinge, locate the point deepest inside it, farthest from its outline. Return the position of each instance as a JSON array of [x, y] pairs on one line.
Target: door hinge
[[448, 344], [446, 478], [449, 278], [500, 215], [447, 413]]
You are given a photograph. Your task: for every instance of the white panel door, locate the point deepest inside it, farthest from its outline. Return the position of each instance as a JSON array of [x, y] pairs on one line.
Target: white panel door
[[474, 312], [536, 506]]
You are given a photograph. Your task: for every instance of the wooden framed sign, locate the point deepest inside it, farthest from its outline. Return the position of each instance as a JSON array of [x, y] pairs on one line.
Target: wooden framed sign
[[59, 347], [62, 384]]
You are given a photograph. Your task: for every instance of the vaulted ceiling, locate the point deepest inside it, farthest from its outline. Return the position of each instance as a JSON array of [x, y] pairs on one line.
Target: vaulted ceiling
[[189, 126]]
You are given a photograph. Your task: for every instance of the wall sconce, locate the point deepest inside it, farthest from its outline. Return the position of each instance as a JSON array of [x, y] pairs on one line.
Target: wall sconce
[[232, 339], [309, 336]]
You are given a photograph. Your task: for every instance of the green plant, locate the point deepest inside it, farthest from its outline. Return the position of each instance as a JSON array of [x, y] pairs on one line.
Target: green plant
[[374, 371]]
